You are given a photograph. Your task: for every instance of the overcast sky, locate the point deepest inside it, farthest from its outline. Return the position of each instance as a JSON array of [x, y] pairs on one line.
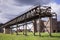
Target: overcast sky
[[9, 9]]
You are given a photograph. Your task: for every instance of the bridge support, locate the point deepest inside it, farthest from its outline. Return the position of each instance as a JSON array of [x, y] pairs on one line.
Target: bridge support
[[39, 26], [17, 29], [25, 30], [35, 26], [7, 30], [50, 31]]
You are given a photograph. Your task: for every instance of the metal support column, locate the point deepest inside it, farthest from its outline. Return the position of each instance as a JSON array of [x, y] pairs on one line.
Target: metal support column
[[35, 26], [50, 25], [39, 22], [26, 29], [17, 29], [39, 26], [25, 25], [23, 29], [11, 31]]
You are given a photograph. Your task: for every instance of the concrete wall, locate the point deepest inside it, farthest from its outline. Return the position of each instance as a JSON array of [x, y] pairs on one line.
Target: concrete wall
[[53, 25], [58, 26], [45, 27]]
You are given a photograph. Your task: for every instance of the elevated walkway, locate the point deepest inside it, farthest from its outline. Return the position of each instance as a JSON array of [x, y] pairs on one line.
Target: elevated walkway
[[34, 13]]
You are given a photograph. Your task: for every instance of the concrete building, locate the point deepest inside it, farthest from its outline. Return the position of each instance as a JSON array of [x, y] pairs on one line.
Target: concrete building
[[45, 26], [58, 26]]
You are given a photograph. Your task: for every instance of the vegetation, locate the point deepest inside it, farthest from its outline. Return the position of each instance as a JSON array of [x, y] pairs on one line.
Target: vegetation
[[30, 36]]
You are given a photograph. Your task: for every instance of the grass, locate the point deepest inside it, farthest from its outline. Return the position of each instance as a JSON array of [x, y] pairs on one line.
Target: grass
[[30, 36]]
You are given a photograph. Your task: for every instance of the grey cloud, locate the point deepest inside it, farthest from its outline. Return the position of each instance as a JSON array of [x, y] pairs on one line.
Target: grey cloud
[[32, 2], [9, 10], [25, 2]]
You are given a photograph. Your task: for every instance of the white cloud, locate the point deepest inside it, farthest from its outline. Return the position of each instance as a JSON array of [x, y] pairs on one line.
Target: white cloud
[[9, 11], [56, 9]]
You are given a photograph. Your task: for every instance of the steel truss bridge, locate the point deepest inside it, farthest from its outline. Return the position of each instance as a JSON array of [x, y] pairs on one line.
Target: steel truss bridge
[[37, 12]]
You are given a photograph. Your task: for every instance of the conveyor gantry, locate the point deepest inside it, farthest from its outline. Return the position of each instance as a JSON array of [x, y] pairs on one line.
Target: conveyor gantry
[[34, 13]]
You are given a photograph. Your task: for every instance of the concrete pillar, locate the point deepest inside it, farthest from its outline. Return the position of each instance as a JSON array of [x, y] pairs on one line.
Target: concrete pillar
[[7, 30], [35, 26]]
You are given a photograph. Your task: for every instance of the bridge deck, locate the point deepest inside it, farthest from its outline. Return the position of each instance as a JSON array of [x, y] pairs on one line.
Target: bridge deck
[[30, 15]]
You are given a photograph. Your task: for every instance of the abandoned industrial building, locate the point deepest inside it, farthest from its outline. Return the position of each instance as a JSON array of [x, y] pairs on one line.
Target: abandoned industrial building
[[32, 16]]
